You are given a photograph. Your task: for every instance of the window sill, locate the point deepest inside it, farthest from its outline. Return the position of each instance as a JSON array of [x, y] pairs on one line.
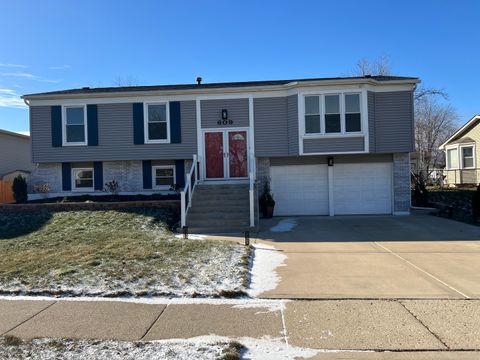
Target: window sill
[[333, 135], [84, 190], [75, 144], [157, 141]]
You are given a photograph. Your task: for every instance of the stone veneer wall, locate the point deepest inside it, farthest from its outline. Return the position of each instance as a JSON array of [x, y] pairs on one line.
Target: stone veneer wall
[[401, 182], [127, 173]]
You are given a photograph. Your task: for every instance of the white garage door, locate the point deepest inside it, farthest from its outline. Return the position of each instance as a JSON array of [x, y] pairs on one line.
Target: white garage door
[[300, 189], [362, 188]]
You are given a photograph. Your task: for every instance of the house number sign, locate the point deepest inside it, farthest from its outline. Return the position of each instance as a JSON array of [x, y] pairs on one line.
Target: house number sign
[[225, 122]]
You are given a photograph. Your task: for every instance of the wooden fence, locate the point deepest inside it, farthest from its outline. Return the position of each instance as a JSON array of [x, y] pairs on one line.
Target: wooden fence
[[6, 193]]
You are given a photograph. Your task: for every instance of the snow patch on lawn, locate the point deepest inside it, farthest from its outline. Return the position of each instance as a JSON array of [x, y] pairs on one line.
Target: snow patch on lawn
[[192, 236], [284, 225], [264, 278]]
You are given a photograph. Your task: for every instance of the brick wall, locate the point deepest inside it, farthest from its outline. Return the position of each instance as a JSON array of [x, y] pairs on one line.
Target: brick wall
[[401, 182]]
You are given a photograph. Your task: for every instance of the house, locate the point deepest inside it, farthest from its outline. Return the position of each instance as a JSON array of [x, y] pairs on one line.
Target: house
[[462, 151], [15, 155], [330, 146]]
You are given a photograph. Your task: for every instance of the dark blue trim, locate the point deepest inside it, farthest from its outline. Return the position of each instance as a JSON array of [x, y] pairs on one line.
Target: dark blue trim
[[98, 175], [66, 177], [138, 126], [175, 123], [147, 174], [180, 173], [56, 117], [92, 125]]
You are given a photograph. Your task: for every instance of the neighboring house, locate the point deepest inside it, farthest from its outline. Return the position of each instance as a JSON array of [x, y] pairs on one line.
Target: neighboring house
[[331, 146], [462, 152], [15, 155]]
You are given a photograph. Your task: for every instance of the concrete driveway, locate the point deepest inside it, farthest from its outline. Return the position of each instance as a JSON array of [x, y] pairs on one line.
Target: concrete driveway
[[416, 256]]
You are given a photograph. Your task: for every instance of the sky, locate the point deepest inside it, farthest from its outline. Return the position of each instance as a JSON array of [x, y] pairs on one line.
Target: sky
[[51, 44]]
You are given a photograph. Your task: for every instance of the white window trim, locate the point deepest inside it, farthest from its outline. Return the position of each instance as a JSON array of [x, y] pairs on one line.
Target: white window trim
[[64, 126], [145, 122], [343, 132], [459, 148], [163, 187], [89, 189]]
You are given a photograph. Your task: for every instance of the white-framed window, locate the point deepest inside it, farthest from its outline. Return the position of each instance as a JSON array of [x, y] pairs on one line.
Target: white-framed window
[[460, 157], [163, 177], [467, 157], [157, 123], [312, 115], [353, 114], [74, 125], [333, 114], [82, 179]]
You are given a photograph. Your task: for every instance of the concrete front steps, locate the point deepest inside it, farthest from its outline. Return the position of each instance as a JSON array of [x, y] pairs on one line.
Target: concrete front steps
[[219, 208]]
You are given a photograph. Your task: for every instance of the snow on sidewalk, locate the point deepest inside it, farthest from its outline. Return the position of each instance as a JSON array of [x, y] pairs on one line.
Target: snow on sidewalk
[[266, 259]]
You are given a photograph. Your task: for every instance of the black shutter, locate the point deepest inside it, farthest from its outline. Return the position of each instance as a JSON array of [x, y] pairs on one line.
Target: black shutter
[[98, 175], [138, 128], [147, 174], [56, 119], [66, 177], [175, 123], [92, 125]]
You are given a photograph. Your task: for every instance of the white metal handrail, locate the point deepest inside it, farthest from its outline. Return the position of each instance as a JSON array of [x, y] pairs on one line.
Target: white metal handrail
[[251, 177], [187, 193]]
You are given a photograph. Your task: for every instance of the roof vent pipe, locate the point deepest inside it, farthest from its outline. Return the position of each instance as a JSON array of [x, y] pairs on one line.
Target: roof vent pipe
[[199, 80]]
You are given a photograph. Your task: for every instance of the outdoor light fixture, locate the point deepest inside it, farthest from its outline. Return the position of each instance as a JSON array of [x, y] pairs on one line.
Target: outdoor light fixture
[[224, 114], [330, 161], [247, 238]]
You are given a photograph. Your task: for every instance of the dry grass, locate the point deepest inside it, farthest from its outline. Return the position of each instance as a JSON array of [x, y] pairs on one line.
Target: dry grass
[[111, 253]]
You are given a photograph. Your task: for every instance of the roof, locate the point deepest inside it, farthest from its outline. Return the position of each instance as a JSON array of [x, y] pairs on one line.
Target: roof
[[470, 124], [129, 89], [11, 133]]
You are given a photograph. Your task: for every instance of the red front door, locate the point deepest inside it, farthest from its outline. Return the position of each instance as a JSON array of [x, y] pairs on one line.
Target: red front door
[[226, 154], [214, 155], [237, 154]]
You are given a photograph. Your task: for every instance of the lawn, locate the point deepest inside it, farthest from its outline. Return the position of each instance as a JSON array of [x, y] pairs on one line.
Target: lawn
[[113, 253], [14, 348]]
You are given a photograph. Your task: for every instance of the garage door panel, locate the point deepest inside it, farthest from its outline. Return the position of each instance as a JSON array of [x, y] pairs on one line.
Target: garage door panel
[[300, 189], [362, 188]]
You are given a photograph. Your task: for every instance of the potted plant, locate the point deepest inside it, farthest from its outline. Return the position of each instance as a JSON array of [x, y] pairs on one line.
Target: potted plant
[[267, 204]]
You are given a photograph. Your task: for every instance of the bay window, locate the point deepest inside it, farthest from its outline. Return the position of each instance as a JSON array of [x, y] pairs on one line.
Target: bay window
[[332, 114]]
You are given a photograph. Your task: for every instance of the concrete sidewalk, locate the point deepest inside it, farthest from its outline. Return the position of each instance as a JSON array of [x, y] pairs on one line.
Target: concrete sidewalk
[[435, 326]]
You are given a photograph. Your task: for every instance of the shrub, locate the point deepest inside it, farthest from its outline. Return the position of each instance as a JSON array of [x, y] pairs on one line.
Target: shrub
[[42, 188], [19, 189], [112, 187]]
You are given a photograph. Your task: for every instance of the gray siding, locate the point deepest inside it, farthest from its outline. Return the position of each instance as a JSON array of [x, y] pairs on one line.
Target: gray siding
[[338, 159], [394, 122], [212, 112], [271, 133], [14, 154], [292, 124], [371, 121], [331, 145], [115, 135]]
